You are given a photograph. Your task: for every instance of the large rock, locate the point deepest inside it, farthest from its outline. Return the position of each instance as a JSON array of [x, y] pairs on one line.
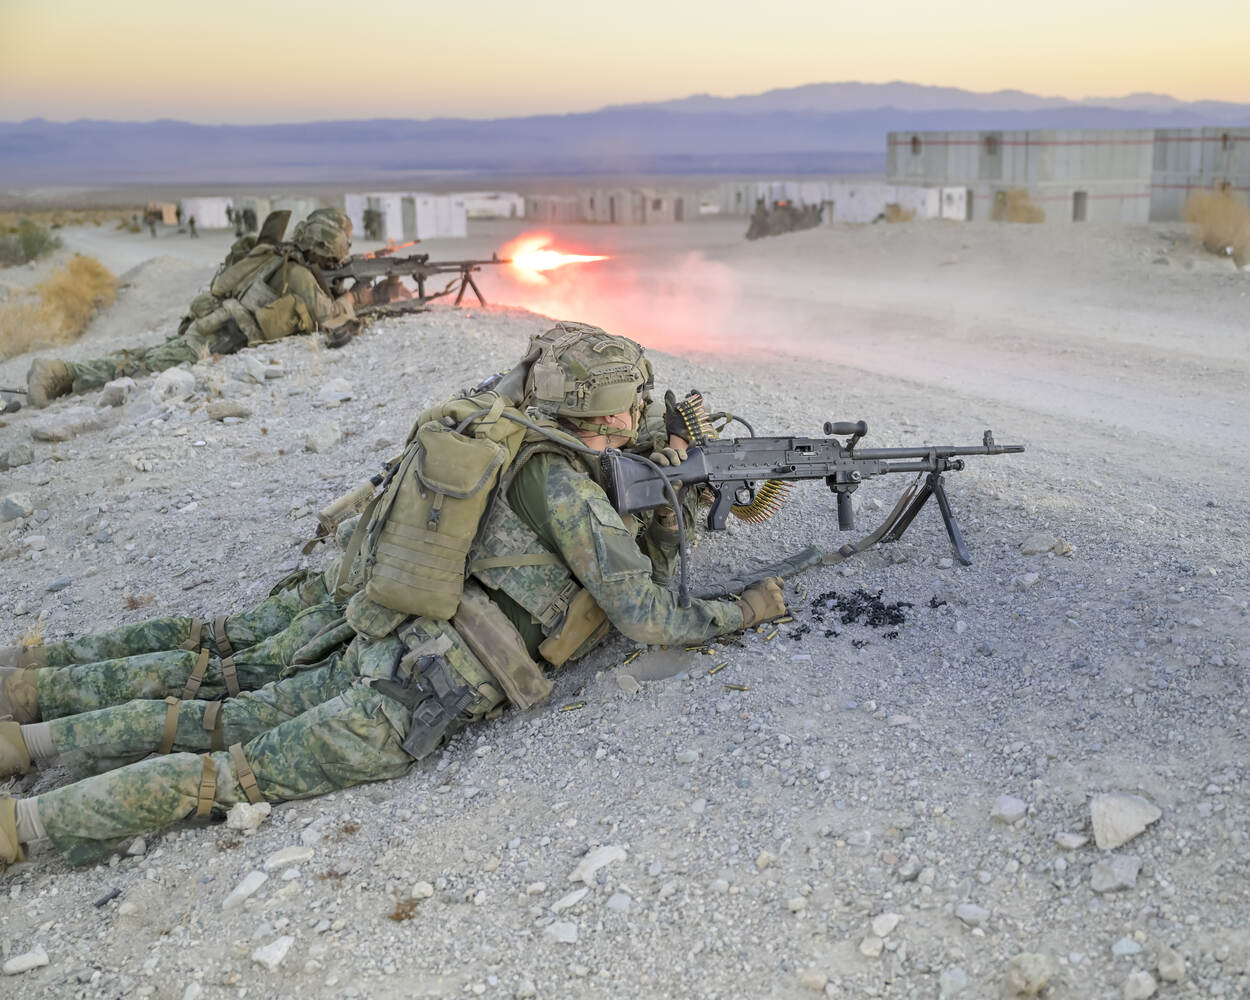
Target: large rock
[[15, 456], [272, 954], [33, 959], [222, 408], [1008, 809], [1038, 543], [1119, 818], [1140, 986], [65, 424], [1028, 974], [116, 392], [16, 505], [173, 384], [323, 439]]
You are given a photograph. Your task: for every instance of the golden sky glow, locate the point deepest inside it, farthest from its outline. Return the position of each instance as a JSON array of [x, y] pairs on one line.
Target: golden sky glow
[[285, 60]]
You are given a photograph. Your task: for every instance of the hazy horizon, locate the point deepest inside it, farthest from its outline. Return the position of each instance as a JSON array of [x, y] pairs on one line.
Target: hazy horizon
[[140, 60]]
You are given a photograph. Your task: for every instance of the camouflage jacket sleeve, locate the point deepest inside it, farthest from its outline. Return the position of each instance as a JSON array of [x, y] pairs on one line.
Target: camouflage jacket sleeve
[[325, 311], [571, 513]]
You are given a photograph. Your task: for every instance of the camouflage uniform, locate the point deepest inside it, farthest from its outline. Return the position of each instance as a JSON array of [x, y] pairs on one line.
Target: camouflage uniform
[[352, 715], [157, 658], [272, 292]]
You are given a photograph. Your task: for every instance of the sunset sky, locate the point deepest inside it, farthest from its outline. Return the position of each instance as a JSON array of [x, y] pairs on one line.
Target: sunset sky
[[284, 60]]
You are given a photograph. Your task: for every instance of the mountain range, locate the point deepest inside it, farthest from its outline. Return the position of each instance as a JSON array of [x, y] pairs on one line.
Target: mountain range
[[814, 129]]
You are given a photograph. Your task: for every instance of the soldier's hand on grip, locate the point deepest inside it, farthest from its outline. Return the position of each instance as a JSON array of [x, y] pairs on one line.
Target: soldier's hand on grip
[[763, 601], [668, 456]]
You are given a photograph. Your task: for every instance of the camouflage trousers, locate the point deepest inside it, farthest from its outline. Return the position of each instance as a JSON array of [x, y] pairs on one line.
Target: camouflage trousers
[[320, 730], [156, 658], [68, 691], [189, 347]]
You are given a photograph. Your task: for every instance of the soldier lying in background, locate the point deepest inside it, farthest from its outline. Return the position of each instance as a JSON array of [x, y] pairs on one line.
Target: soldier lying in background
[[266, 290]]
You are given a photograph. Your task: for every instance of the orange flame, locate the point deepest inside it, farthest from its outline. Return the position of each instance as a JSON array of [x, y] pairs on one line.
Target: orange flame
[[530, 255]]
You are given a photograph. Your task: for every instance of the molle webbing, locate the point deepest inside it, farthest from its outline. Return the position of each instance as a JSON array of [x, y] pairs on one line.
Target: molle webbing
[[208, 787], [197, 676], [213, 725], [246, 779], [193, 640], [171, 725]]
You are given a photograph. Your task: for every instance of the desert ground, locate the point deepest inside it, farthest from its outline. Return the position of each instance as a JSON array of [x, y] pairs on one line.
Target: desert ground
[[865, 810]]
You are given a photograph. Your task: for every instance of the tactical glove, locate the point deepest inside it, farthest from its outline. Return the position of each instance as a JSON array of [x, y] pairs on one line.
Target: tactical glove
[[668, 456], [762, 602], [685, 419]]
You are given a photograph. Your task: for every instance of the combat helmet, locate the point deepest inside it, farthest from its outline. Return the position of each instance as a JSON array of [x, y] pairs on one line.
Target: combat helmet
[[582, 372], [325, 235]]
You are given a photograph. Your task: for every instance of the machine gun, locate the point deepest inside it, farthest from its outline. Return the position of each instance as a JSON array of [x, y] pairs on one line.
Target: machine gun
[[365, 272], [749, 477]]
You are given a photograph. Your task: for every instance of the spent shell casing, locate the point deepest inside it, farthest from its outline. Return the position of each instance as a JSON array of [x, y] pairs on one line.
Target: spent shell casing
[[737, 687], [632, 657], [572, 706], [718, 668], [771, 636], [786, 620]]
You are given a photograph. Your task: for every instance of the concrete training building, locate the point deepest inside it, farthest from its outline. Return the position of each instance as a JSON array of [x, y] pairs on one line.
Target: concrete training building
[[411, 215], [1096, 175]]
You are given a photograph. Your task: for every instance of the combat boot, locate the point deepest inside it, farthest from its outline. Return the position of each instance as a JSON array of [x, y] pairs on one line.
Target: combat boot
[[48, 379], [10, 849], [14, 757], [19, 694]]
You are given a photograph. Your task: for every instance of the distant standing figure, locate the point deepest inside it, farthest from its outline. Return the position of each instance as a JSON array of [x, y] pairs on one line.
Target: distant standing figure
[[152, 225], [178, 214], [191, 224]]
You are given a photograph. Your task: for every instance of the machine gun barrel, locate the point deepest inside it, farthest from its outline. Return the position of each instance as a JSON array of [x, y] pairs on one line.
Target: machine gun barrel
[[368, 269]]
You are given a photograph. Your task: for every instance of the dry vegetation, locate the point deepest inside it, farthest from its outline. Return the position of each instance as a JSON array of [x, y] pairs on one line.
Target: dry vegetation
[[26, 242], [895, 212], [1015, 206], [54, 218], [1221, 220], [57, 310]]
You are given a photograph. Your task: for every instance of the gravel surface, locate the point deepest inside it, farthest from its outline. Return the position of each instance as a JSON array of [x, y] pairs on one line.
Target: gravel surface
[[869, 808]]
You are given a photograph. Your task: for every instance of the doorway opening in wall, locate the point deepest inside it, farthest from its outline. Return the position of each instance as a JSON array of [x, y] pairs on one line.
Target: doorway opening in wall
[[1226, 141], [612, 209], [679, 213], [1079, 199], [915, 145], [991, 144]]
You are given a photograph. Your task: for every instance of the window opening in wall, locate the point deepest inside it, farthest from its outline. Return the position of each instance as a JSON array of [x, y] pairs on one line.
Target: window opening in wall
[[991, 145], [915, 145], [1226, 141], [656, 204], [1078, 206]]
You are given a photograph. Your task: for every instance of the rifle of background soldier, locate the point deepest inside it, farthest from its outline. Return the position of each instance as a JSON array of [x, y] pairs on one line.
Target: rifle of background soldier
[[750, 476], [365, 271]]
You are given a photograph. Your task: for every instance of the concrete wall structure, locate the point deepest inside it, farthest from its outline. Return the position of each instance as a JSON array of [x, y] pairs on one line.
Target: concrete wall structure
[[298, 207], [209, 211], [409, 215], [492, 204], [1097, 175], [552, 208]]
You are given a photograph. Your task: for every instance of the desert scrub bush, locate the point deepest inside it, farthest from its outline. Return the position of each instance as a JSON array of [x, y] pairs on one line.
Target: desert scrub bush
[[894, 212], [58, 309], [1015, 205], [1221, 221], [27, 242]]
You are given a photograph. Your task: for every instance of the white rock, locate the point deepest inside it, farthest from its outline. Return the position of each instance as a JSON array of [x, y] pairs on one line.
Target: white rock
[[796, 904], [971, 914], [619, 902], [594, 860], [26, 961], [422, 890], [1139, 986], [137, 847], [765, 859], [814, 980], [173, 384], [1125, 946], [951, 982], [628, 683], [563, 931], [323, 439], [253, 369], [1171, 965], [871, 946], [884, 923], [193, 992], [572, 899], [251, 882], [295, 855], [66, 424], [272, 954], [687, 756], [127, 907], [1028, 974], [1114, 874], [246, 815], [116, 392], [1119, 818], [1038, 543], [1008, 809], [1071, 841]]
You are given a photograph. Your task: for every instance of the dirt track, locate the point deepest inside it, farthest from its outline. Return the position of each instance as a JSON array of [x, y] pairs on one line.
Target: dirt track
[[763, 829]]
